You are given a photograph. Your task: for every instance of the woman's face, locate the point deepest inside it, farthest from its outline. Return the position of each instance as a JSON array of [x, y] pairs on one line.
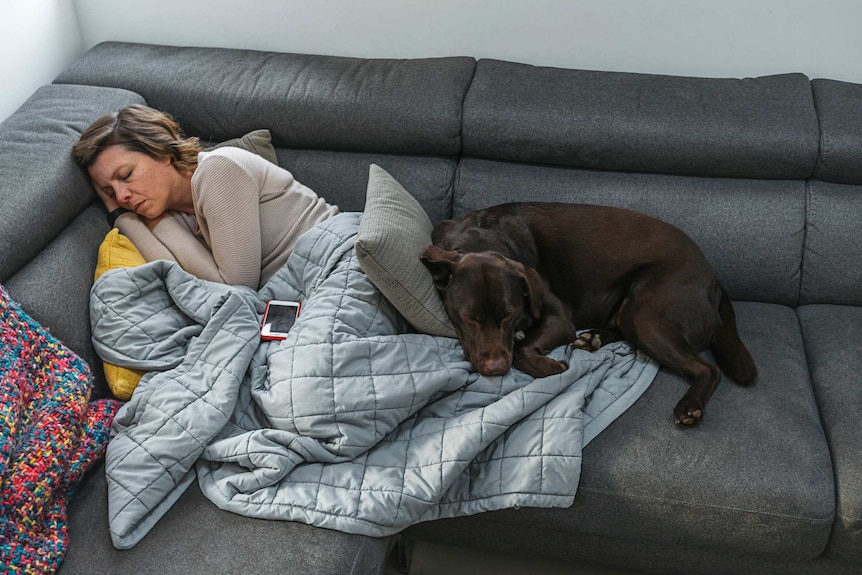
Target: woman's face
[[140, 183]]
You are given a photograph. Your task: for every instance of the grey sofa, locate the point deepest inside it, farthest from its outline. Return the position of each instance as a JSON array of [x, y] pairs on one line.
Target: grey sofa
[[764, 173]]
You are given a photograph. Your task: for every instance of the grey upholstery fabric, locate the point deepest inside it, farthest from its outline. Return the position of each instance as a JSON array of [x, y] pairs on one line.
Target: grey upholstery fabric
[[833, 339], [54, 287], [342, 177], [839, 108], [39, 136], [751, 231], [752, 128], [832, 263], [197, 538], [318, 102], [734, 484], [488, 532]]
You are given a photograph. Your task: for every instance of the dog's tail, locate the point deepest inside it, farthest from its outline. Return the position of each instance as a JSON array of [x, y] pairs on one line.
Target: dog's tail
[[730, 353]]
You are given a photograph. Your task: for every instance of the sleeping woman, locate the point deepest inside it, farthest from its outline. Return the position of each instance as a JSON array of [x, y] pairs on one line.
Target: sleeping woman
[[226, 215]]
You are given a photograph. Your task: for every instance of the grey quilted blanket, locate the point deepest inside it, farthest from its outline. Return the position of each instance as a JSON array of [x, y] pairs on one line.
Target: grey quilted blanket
[[350, 423]]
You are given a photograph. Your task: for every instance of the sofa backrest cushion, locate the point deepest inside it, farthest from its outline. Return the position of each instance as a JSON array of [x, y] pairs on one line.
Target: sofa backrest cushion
[[751, 231], [832, 262], [410, 106], [751, 128], [342, 177], [839, 107]]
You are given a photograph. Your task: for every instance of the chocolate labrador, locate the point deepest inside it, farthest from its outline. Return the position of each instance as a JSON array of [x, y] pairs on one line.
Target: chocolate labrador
[[546, 268]]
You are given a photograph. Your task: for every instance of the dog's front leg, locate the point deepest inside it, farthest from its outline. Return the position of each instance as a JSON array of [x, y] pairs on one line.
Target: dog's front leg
[[553, 329]]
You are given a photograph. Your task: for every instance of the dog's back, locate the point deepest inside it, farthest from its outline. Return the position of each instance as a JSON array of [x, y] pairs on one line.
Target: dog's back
[[626, 274], [588, 255]]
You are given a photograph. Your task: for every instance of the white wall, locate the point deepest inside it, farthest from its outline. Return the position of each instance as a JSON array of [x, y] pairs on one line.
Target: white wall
[[38, 39], [732, 38], [735, 38]]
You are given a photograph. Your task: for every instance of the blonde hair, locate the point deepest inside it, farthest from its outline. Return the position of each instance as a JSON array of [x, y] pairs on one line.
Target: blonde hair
[[141, 129]]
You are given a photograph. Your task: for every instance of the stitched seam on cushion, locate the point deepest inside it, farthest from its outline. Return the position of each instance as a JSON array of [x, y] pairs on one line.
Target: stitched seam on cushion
[[809, 208], [820, 164], [460, 151]]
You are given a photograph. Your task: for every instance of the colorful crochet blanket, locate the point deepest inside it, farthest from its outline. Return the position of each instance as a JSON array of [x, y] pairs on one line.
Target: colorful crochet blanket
[[50, 433]]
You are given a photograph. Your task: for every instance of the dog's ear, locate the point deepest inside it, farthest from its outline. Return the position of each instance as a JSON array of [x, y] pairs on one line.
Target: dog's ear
[[440, 263], [534, 290]]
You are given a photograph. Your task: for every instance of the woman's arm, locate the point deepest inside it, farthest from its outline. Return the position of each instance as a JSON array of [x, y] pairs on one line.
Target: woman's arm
[[192, 255], [227, 202], [131, 226], [169, 239]]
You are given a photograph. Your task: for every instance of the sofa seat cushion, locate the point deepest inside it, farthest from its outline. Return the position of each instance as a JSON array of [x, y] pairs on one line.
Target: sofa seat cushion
[[833, 338], [753, 478], [54, 287], [197, 538]]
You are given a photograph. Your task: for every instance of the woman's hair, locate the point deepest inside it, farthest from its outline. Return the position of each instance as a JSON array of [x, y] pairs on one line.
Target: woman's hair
[[141, 129]]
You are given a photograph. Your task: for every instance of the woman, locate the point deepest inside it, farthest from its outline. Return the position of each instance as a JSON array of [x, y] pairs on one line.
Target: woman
[[244, 212]]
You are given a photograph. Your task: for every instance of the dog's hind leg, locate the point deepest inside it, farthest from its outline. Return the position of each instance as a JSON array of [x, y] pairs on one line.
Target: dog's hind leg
[[648, 328], [729, 351]]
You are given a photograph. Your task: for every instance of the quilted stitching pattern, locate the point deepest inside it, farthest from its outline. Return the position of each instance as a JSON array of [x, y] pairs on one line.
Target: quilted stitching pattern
[[350, 423]]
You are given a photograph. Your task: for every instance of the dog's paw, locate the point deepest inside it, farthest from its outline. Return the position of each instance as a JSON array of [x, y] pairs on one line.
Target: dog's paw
[[588, 340], [687, 413], [540, 365]]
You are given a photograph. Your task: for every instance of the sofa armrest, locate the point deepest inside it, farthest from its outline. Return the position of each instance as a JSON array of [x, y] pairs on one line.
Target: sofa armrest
[[42, 188]]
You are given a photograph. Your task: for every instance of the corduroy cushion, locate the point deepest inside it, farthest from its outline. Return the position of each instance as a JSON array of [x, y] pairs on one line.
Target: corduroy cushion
[[393, 233], [256, 141]]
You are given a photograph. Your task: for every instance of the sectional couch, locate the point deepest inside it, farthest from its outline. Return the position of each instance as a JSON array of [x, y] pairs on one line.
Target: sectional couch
[[764, 173]]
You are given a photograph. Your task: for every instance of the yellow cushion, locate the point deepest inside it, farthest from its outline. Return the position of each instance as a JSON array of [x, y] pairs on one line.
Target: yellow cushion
[[117, 251]]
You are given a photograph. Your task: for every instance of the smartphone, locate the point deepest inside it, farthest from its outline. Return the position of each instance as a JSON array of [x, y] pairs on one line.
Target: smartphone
[[278, 318]]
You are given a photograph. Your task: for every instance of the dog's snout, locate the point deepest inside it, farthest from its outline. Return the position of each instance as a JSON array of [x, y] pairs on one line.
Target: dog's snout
[[497, 365]]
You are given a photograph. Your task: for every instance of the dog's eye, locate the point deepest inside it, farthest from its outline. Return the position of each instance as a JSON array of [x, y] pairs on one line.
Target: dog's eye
[[473, 318]]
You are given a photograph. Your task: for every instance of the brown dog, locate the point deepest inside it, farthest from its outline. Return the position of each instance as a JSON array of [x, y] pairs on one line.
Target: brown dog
[[544, 268]]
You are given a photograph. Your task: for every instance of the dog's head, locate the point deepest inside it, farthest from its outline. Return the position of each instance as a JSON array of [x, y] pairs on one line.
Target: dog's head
[[489, 298]]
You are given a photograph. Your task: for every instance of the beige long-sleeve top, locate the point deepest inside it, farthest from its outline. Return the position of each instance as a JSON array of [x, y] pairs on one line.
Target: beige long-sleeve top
[[249, 214]]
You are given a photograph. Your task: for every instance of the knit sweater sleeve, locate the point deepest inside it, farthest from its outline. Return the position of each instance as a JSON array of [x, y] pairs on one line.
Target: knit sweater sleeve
[[192, 255], [170, 240], [227, 203], [131, 226]]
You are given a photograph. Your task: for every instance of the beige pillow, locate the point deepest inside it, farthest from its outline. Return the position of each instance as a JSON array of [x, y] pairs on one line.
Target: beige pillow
[[257, 141], [393, 233]]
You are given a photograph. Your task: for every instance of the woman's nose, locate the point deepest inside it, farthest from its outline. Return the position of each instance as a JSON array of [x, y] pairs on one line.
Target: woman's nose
[[122, 193]]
